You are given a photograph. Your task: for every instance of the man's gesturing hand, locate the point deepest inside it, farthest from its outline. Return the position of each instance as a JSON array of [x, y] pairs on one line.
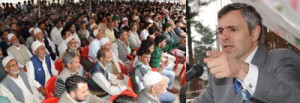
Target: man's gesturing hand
[[222, 65]]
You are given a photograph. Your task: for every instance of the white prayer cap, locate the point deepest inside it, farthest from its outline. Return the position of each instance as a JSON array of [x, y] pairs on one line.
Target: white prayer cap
[[36, 30], [152, 78], [135, 17], [93, 14], [36, 44], [150, 21], [31, 29], [6, 60], [151, 13], [165, 11], [69, 39], [92, 26], [95, 32], [10, 35], [124, 19], [103, 41]]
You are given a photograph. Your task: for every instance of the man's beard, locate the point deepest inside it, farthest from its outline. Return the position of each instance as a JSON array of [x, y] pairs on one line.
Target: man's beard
[[78, 100], [72, 31], [73, 50], [15, 72], [16, 44], [107, 63]]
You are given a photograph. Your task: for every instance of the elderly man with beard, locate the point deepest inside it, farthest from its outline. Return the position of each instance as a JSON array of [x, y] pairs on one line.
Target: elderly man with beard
[[17, 86], [62, 47], [40, 67], [155, 84], [95, 44], [48, 44], [18, 51], [101, 83], [72, 45], [72, 67], [115, 67], [70, 26]]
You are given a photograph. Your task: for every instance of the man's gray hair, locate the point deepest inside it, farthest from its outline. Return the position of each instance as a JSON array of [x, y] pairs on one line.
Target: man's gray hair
[[249, 13], [69, 57]]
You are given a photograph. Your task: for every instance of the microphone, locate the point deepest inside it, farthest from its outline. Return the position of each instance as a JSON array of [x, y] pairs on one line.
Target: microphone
[[195, 71]]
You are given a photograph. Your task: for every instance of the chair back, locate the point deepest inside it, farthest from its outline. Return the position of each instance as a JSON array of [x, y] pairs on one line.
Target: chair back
[[50, 100], [50, 86], [59, 65]]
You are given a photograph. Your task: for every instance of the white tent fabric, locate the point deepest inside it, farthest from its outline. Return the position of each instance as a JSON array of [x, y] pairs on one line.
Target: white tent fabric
[[281, 16]]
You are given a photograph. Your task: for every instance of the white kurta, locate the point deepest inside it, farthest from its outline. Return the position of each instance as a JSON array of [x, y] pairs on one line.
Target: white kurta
[[30, 71], [28, 96]]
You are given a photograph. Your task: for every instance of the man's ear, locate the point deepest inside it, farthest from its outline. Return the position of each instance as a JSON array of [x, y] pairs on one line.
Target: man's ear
[[6, 69], [72, 94], [69, 65], [153, 89], [256, 32]]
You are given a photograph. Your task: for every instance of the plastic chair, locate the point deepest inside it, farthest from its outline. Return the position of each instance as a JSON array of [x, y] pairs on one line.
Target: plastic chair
[[128, 93], [85, 50], [50, 100], [131, 67], [130, 84], [85, 54], [184, 67], [50, 86], [155, 69], [176, 61], [59, 65], [183, 70], [25, 69], [123, 68], [130, 57]]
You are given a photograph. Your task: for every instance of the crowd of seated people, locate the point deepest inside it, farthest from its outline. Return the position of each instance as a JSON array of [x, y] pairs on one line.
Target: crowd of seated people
[[100, 51]]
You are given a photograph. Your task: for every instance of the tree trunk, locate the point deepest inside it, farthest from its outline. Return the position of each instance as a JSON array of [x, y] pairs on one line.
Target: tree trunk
[[189, 37]]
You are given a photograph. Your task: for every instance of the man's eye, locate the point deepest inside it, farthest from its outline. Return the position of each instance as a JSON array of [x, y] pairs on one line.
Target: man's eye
[[233, 30], [219, 31]]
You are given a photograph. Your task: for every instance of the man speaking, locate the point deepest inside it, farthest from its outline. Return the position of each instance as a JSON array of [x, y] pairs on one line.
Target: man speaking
[[244, 71]]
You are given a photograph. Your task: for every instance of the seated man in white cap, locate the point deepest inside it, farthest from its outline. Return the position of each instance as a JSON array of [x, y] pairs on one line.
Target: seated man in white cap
[[40, 67], [124, 22], [95, 44], [93, 27], [18, 51], [145, 33], [114, 68], [155, 85], [30, 39], [101, 83], [17, 86], [63, 46], [48, 44], [72, 66], [70, 26], [109, 32], [136, 19], [72, 45]]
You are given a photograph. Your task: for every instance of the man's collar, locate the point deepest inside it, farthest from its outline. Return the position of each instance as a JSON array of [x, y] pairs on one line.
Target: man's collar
[[102, 65], [250, 57], [73, 99]]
